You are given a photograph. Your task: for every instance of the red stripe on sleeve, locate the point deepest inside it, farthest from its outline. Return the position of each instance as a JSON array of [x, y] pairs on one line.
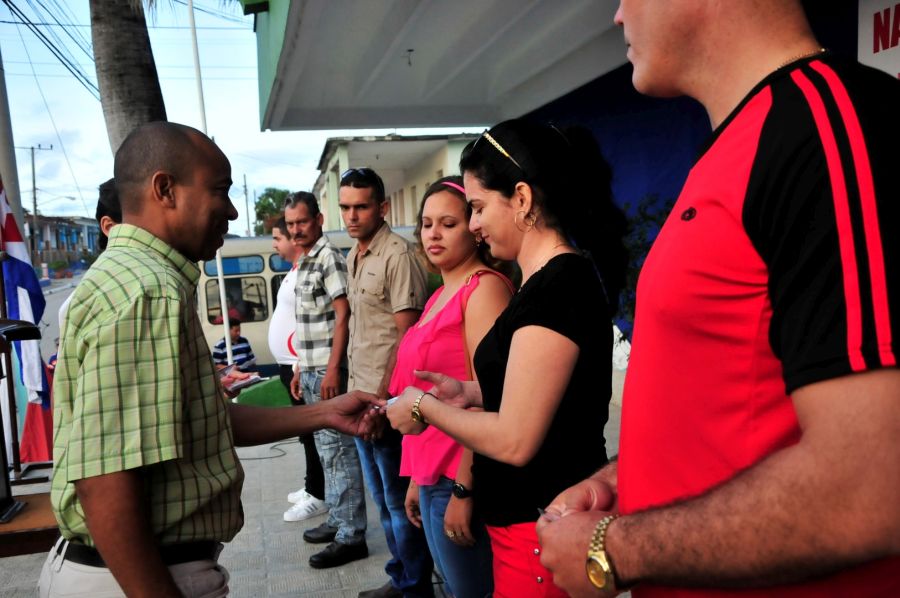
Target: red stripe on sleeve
[[842, 217], [874, 245]]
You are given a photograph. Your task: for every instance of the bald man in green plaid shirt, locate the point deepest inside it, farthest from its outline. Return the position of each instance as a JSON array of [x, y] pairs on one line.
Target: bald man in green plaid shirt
[[147, 483]]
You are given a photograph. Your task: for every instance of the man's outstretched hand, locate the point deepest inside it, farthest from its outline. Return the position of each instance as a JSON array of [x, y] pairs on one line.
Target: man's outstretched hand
[[347, 413]]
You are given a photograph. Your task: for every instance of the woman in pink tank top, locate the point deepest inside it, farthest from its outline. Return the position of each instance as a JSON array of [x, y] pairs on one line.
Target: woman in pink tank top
[[453, 322]]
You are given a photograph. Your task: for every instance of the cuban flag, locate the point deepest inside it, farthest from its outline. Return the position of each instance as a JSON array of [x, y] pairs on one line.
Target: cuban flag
[[24, 301]]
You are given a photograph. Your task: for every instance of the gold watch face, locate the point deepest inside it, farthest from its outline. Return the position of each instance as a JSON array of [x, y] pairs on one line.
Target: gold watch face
[[597, 570]]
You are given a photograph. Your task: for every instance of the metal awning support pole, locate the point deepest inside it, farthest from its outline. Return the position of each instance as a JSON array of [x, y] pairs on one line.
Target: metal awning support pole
[[219, 273]]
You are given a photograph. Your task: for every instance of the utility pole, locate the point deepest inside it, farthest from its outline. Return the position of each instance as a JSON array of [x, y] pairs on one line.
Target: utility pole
[[34, 216], [247, 205]]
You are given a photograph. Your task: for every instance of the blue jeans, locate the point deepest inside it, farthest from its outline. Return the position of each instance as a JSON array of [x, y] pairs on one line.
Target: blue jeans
[[411, 565], [344, 492], [467, 571]]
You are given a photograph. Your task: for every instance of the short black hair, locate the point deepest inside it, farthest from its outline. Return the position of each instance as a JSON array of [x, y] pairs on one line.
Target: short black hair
[[281, 224], [158, 145], [108, 205], [364, 178]]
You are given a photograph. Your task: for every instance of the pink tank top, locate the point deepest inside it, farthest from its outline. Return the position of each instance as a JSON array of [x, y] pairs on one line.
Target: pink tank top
[[435, 346]]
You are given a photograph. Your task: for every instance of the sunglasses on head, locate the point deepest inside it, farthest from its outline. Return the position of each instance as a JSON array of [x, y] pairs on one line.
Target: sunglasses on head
[[498, 147], [367, 176], [367, 173]]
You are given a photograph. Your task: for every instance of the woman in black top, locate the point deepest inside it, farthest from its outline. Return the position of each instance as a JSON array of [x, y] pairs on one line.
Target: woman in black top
[[542, 198]]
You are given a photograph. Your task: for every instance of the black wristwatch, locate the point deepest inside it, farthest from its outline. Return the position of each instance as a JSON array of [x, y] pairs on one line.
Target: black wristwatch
[[460, 491]]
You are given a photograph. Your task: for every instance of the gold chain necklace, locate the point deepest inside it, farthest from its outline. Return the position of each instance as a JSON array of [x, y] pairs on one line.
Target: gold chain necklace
[[800, 57]]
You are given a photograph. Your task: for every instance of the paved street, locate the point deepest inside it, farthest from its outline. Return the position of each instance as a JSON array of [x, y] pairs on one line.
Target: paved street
[[55, 294]]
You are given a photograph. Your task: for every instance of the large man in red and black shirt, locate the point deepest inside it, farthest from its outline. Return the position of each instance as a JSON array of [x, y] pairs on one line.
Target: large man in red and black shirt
[[761, 414]]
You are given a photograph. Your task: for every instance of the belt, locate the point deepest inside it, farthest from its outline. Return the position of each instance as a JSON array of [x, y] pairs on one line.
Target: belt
[[172, 554]]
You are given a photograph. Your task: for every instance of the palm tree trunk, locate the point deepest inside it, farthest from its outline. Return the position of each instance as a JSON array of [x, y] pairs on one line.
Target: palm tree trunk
[[126, 72]]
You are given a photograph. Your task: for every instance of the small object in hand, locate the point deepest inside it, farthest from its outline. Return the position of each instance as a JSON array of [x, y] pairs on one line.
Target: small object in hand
[[237, 380], [450, 533], [225, 371], [392, 400], [548, 516]]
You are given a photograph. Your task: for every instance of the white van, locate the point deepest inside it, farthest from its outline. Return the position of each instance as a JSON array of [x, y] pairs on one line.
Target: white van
[[253, 272]]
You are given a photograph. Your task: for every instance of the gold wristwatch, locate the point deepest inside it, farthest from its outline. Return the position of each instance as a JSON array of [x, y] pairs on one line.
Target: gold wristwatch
[[599, 569], [416, 414]]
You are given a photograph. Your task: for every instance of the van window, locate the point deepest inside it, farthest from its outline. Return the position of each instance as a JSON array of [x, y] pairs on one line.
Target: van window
[[277, 264], [245, 264], [247, 299], [276, 285]]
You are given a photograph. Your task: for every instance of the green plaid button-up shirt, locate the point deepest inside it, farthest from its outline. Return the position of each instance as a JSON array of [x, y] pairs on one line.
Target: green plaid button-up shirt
[[135, 388]]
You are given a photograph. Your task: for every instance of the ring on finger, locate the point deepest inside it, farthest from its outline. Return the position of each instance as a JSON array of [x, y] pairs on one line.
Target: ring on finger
[[450, 533]]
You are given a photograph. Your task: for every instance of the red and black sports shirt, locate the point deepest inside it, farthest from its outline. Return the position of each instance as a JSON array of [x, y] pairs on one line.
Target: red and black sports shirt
[[778, 267]]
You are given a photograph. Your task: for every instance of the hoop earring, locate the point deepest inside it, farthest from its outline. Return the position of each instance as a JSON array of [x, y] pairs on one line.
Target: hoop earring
[[528, 220]]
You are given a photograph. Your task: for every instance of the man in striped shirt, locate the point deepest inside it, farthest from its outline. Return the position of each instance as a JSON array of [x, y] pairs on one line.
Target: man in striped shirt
[[323, 315], [761, 412], [241, 351], [146, 483]]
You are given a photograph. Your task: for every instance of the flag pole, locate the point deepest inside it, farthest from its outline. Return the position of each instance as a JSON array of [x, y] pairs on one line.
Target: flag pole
[[8, 170], [10, 386], [10, 176]]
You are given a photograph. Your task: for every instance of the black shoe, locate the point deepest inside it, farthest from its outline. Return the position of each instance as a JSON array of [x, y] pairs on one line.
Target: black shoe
[[386, 591], [320, 534], [336, 554]]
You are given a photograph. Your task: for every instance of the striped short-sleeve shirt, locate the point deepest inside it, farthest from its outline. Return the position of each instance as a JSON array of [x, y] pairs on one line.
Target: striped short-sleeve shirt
[[321, 278], [241, 353], [135, 388]]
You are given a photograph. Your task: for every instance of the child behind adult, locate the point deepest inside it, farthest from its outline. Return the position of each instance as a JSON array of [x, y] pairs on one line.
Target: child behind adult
[[452, 324]]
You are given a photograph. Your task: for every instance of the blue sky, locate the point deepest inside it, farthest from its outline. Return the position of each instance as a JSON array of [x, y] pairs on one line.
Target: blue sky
[[227, 47]]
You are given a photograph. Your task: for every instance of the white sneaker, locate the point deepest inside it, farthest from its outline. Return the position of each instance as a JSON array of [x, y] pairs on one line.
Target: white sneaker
[[299, 495], [305, 509]]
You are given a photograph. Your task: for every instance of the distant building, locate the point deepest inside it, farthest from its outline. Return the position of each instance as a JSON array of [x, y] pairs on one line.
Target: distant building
[[62, 238], [407, 164]]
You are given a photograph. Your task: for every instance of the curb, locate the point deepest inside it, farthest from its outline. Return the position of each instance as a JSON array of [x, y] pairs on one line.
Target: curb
[[64, 287]]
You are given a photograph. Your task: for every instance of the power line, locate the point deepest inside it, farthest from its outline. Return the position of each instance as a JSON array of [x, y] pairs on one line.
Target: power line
[[62, 146], [222, 15], [81, 43], [72, 67], [205, 78], [70, 16], [158, 66], [87, 25]]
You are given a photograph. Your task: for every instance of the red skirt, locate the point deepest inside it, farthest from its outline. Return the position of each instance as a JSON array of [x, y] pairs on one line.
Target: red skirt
[[518, 572]]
